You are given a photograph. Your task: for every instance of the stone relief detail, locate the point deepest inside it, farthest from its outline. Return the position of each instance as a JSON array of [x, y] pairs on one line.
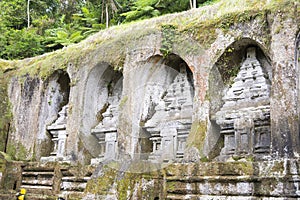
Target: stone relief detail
[[106, 131], [245, 116], [153, 95], [170, 125], [59, 136]]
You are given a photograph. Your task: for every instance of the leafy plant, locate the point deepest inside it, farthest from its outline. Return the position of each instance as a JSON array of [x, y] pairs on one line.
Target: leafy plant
[[31, 30], [142, 9], [63, 36], [88, 21], [21, 44]]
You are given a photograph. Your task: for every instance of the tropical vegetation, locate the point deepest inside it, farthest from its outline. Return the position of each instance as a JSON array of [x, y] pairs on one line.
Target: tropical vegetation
[[33, 27]]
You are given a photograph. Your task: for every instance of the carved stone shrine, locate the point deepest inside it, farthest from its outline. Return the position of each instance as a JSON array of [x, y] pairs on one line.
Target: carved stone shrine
[[59, 137], [170, 125], [245, 116], [106, 131]]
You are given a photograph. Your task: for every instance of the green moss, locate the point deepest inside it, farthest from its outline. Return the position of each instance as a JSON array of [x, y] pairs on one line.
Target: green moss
[[22, 152], [235, 168], [277, 167], [204, 159], [2, 165], [5, 106], [17, 151], [45, 147], [171, 186], [112, 45], [123, 101], [102, 184], [168, 38], [12, 175], [247, 168], [205, 31], [11, 150], [5, 156], [197, 136], [126, 185], [110, 49]]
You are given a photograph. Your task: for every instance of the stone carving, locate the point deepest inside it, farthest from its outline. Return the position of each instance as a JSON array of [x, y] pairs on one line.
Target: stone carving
[[245, 116], [59, 137], [106, 131], [171, 122], [153, 94]]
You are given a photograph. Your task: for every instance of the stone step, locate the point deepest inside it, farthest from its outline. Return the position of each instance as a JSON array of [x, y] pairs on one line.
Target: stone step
[[38, 168], [7, 194], [41, 178], [67, 173], [72, 183], [40, 197], [37, 182], [74, 195], [39, 187], [72, 186], [38, 173], [75, 179]]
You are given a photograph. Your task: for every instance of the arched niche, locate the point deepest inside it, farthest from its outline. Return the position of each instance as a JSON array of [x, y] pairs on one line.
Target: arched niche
[[227, 66], [230, 94], [54, 111], [64, 83], [58, 89], [101, 98], [166, 115]]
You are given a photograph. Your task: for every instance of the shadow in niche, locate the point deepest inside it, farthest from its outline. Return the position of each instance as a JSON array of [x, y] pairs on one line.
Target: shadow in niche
[[245, 86], [167, 112], [145, 143], [64, 83]]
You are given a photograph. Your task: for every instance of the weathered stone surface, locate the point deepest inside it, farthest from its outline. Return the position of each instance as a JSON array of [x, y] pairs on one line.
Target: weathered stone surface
[[246, 179], [126, 93], [29, 138]]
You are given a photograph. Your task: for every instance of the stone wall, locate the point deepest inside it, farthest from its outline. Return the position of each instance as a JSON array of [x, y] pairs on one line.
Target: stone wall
[[191, 87]]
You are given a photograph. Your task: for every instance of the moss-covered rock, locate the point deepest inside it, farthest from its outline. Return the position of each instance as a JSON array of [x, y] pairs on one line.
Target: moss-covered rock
[[197, 136], [17, 151], [5, 107]]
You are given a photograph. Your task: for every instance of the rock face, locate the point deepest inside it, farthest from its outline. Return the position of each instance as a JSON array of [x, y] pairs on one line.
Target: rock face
[[185, 106]]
